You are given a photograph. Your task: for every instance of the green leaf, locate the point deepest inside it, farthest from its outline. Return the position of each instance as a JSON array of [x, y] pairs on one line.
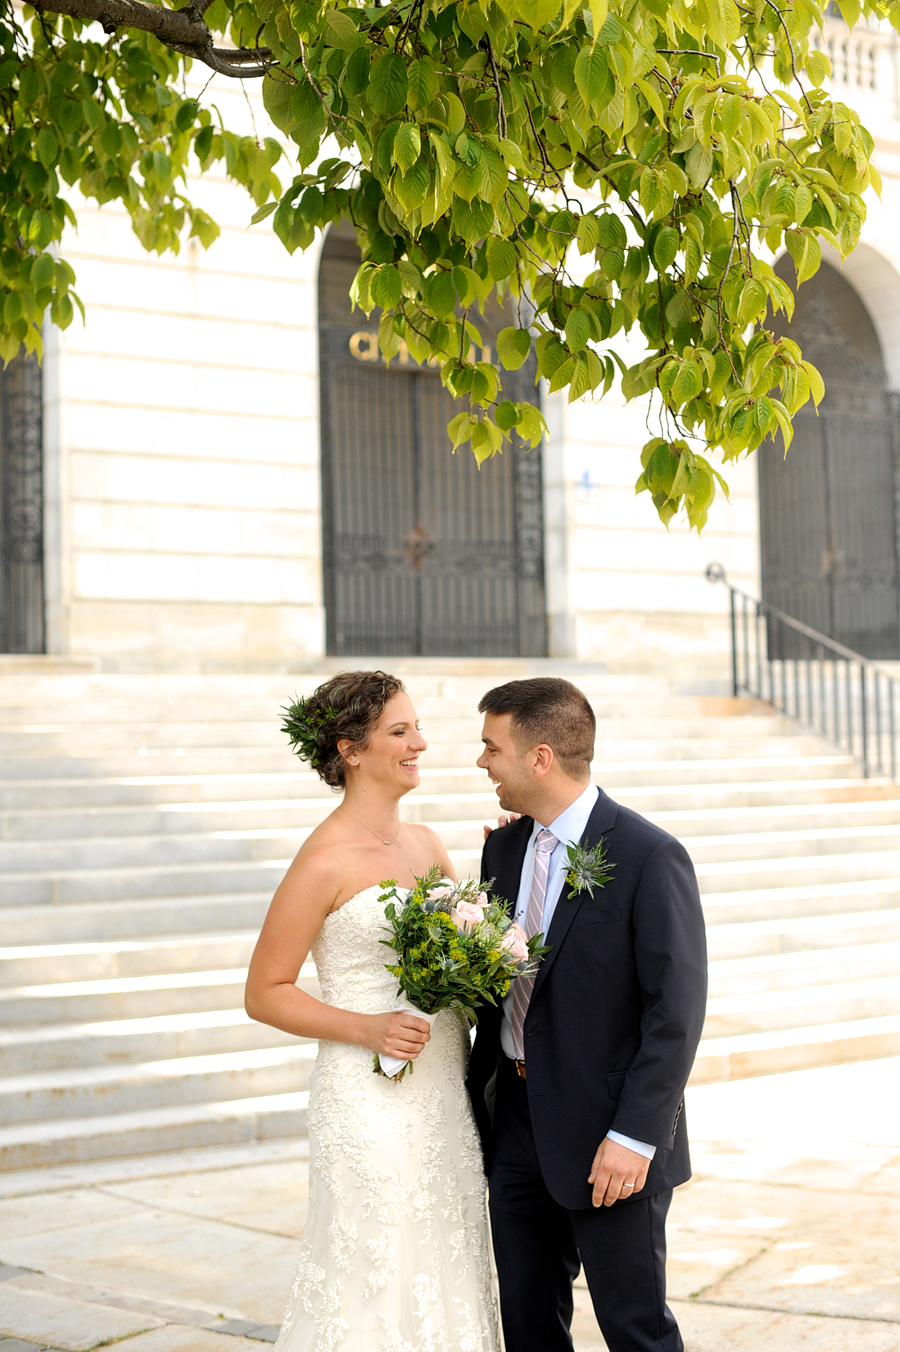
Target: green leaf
[[816, 383], [513, 347], [506, 415], [501, 258], [407, 146], [440, 294], [47, 147], [386, 287], [578, 329], [665, 248], [42, 272], [411, 189], [494, 176], [698, 163], [592, 73], [388, 85], [340, 30], [263, 212], [422, 84]]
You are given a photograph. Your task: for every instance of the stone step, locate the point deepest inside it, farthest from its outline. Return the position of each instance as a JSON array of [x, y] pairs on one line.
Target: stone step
[[259, 842], [89, 921], [699, 823], [28, 712], [796, 845], [294, 784], [695, 758], [766, 938], [773, 1053], [117, 959], [120, 1135], [82, 1092], [745, 874], [735, 795], [48, 1047], [82, 822], [440, 677], [131, 997], [121, 998], [73, 781], [795, 970], [445, 727], [771, 1011], [824, 899], [147, 881]]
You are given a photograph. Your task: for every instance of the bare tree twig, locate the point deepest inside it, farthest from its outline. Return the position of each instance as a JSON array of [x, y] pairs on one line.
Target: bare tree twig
[[787, 34], [501, 110], [181, 29], [690, 51]]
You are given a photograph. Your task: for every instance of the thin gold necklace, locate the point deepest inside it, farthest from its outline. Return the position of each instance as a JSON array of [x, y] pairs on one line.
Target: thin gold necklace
[[341, 808]]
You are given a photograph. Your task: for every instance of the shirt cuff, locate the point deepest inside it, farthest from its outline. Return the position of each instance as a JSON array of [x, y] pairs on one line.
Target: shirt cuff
[[639, 1147]]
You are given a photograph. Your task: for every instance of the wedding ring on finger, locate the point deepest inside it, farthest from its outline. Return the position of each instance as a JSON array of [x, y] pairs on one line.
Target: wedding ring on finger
[[627, 1185]]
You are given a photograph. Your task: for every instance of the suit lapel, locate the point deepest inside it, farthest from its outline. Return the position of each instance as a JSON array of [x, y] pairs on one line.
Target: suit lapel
[[601, 820]]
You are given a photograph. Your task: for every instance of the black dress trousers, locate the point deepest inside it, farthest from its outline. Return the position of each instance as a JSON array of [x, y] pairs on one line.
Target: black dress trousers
[[538, 1245]]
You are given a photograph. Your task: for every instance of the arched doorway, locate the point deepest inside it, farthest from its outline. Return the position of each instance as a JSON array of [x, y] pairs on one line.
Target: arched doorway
[[423, 552], [21, 508], [828, 531]]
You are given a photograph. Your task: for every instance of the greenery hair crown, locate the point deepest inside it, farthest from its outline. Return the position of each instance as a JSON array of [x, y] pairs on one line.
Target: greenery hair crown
[[303, 726]]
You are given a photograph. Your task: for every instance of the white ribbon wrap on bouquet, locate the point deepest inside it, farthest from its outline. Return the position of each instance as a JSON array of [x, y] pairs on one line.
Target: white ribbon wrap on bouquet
[[391, 1064]]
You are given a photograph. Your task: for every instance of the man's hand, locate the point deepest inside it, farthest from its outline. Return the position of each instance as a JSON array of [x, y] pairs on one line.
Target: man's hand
[[502, 821], [614, 1168]]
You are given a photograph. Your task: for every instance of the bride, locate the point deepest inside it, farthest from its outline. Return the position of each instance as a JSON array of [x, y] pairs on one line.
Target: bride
[[394, 1255]]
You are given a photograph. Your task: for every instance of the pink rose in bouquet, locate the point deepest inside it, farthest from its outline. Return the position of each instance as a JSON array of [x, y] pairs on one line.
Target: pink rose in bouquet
[[515, 941], [466, 916], [483, 900]]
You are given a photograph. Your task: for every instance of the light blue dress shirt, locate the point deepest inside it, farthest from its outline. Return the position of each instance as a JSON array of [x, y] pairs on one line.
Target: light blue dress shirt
[[569, 826]]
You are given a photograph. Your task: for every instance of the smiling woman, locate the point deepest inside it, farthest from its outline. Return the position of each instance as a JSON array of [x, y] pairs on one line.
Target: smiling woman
[[387, 1268]]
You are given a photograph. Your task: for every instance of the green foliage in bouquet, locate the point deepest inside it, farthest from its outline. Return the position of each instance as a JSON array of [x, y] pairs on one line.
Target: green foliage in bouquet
[[440, 966]]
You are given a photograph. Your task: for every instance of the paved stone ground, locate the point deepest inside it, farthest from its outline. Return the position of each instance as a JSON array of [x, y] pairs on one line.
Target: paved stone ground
[[788, 1238]]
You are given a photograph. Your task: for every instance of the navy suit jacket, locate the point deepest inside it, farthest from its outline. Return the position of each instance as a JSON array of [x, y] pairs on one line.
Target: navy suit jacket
[[617, 1008]]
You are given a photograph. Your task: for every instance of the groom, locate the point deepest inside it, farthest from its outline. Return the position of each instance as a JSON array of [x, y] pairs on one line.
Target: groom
[[577, 1082]]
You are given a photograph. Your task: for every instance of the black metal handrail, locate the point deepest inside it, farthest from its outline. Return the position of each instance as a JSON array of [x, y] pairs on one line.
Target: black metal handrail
[[837, 693]]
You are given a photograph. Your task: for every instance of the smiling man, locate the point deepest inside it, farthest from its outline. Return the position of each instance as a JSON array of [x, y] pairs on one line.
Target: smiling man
[[577, 1083]]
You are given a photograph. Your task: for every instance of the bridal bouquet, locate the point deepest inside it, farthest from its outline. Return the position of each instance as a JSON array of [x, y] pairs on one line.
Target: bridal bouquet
[[455, 948]]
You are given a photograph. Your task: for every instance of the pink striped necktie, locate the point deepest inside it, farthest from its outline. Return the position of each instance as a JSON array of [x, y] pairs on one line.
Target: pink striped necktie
[[544, 845]]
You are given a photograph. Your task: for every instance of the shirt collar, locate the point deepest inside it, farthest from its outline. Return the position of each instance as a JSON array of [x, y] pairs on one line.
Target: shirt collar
[[571, 824]]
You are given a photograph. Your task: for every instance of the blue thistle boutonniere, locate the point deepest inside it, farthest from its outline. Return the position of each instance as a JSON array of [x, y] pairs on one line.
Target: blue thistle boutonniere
[[588, 867]]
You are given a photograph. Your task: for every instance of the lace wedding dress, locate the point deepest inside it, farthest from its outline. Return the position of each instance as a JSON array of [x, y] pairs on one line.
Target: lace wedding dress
[[395, 1250]]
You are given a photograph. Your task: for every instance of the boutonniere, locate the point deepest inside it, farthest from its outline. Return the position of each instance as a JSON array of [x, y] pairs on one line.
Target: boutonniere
[[587, 867]]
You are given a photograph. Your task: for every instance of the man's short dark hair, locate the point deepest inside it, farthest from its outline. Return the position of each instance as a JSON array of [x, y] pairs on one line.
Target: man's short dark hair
[[547, 709]]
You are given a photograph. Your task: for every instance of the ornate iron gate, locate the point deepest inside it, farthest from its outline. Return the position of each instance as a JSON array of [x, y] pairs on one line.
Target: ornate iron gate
[[21, 508], [424, 553], [828, 529]]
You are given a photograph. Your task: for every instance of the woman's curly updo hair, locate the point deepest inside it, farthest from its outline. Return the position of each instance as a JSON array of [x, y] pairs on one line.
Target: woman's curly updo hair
[[346, 707]]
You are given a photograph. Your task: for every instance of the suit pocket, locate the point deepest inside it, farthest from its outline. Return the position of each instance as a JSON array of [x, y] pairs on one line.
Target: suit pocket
[[599, 915], [614, 1082]]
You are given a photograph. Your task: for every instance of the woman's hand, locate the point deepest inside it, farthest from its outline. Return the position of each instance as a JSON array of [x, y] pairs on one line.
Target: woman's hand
[[501, 822], [398, 1033]]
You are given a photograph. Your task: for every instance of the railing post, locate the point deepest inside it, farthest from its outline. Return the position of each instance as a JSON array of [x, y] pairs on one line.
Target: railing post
[[864, 720], [734, 656]]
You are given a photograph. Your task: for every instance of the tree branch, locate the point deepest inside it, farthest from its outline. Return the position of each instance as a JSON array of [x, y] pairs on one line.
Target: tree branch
[[181, 29]]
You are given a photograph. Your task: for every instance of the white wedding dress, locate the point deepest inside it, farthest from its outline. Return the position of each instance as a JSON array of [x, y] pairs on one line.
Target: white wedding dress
[[394, 1255]]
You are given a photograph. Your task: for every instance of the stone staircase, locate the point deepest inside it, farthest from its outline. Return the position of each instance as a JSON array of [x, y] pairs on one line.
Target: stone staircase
[[145, 821]]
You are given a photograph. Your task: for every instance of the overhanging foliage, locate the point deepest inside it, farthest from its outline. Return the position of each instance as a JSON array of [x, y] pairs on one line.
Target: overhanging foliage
[[613, 167]]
